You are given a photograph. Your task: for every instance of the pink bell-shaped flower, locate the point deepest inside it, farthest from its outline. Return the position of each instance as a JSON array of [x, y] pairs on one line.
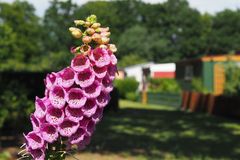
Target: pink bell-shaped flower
[[103, 99], [35, 123], [80, 63], [66, 77], [100, 72], [34, 140], [54, 116], [85, 78], [40, 108], [37, 154], [49, 132], [74, 114], [107, 85], [89, 108], [100, 57], [57, 97], [67, 128], [77, 137], [97, 115], [50, 80], [75, 98], [93, 90]]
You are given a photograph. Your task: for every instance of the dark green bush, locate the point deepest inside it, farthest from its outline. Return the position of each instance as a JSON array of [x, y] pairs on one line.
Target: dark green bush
[[163, 85], [132, 96], [197, 86], [232, 79], [125, 86], [18, 91]]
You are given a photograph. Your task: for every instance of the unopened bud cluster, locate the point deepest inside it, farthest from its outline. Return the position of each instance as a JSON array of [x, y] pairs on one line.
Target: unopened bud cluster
[[75, 96]]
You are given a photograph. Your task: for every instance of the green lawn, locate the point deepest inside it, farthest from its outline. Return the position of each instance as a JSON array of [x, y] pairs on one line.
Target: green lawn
[[158, 132]]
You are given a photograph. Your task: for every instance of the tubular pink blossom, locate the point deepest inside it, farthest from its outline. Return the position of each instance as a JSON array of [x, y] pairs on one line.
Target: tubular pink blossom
[[57, 97], [90, 128], [74, 114], [82, 144], [92, 91], [40, 108], [89, 108], [80, 63], [50, 80], [85, 78], [35, 123], [54, 116], [107, 85], [75, 98], [103, 99], [113, 59], [97, 115], [100, 72], [112, 69], [67, 128], [77, 137], [34, 140], [37, 154], [100, 57], [66, 77], [49, 132]]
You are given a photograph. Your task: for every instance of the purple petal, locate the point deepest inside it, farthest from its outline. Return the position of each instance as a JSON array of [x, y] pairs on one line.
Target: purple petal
[[90, 128], [40, 108], [50, 80], [54, 116], [34, 140], [98, 115], [92, 91], [100, 57], [85, 78], [35, 123], [111, 71], [66, 77], [49, 132], [107, 85], [57, 96], [103, 99], [37, 154], [77, 137], [74, 114], [80, 63], [82, 144], [89, 108], [113, 59], [75, 98], [100, 72], [84, 122], [67, 128]]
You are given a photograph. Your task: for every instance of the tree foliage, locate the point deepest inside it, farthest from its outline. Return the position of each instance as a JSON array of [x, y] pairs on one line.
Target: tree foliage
[[160, 32]]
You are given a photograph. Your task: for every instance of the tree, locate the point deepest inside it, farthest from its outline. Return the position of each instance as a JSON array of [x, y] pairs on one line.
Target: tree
[[225, 35], [20, 35]]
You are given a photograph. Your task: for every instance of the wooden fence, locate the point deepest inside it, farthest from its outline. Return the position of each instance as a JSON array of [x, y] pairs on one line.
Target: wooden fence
[[216, 105]]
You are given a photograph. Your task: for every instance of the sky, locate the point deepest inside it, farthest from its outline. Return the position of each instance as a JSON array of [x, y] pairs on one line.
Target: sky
[[209, 6]]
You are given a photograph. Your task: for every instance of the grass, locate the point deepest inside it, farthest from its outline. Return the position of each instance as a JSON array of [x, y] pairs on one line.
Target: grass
[[142, 132]]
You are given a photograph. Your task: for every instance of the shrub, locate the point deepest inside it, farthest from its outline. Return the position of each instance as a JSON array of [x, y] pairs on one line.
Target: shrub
[[132, 96], [197, 86], [125, 86], [163, 85], [232, 79]]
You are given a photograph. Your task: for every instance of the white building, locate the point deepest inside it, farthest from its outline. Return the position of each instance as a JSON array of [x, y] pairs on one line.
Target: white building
[[163, 70], [136, 72]]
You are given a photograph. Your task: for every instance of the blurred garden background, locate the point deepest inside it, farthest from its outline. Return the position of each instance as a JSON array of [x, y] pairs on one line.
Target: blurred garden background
[[177, 93]]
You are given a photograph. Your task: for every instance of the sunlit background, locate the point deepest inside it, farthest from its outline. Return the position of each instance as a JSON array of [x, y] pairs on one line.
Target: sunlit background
[[177, 91]]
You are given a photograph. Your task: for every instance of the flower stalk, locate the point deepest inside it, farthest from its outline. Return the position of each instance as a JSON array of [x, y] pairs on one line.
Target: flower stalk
[[65, 118]]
